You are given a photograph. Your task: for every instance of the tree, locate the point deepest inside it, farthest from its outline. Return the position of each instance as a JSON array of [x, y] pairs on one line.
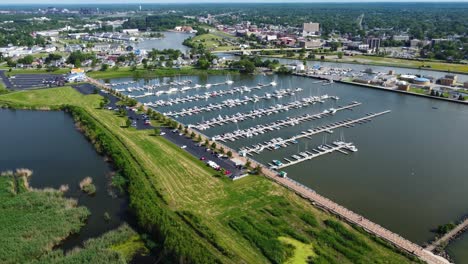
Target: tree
[[128, 122], [213, 145], [104, 67], [229, 154], [221, 150], [258, 169], [248, 164], [203, 64], [207, 142], [461, 97], [199, 138], [157, 131], [340, 55], [192, 135], [101, 104]]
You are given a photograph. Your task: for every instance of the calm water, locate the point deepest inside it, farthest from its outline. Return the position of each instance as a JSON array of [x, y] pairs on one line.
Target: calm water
[[409, 174], [172, 40], [358, 67], [49, 144]]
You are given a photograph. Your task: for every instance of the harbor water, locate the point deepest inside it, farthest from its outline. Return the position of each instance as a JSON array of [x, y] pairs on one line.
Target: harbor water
[[409, 174]]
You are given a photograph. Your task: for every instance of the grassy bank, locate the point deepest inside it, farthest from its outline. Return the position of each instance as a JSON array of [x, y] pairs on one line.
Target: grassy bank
[[429, 65], [35, 71], [199, 216], [116, 246], [388, 62], [162, 72], [34, 221]]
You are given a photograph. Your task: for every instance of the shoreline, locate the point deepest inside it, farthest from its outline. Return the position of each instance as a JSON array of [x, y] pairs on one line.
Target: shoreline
[[368, 64], [326, 204]]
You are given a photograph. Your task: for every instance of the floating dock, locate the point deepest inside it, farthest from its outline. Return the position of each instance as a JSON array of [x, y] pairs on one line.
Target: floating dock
[[239, 117], [205, 96], [230, 103], [277, 143], [277, 125], [339, 146]]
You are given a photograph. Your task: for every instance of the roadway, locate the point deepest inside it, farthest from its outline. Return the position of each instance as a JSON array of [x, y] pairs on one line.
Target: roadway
[[138, 122]]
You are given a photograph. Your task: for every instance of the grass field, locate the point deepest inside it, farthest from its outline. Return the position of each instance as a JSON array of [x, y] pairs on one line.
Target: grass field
[[35, 71], [432, 65], [250, 220], [51, 98], [143, 73]]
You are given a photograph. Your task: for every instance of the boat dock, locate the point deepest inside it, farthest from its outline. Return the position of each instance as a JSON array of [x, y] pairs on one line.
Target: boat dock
[[260, 112], [339, 146], [277, 125], [205, 96], [230, 103], [277, 143]]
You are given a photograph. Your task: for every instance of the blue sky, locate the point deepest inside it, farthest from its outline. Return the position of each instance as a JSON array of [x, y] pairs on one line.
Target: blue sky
[[5, 2]]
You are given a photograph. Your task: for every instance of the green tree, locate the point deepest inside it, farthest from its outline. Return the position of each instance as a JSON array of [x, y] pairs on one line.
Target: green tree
[[157, 131], [128, 122]]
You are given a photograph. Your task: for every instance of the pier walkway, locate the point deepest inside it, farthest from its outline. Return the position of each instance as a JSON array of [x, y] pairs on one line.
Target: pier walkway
[[279, 142], [260, 112], [277, 125], [321, 150], [354, 218], [449, 235], [229, 104]]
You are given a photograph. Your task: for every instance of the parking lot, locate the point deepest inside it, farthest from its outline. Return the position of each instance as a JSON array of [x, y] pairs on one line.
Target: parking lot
[[194, 148], [28, 81]]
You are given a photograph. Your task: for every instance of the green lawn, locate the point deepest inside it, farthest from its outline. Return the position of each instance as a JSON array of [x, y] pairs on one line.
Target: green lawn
[[418, 90], [143, 73], [50, 98], [433, 65], [35, 71], [236, 222]]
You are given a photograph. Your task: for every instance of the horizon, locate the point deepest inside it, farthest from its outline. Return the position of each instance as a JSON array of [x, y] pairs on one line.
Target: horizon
[[167, 2]]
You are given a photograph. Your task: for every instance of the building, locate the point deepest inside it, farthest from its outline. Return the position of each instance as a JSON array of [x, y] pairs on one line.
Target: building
[[421, 81], [448, 80], [401, 37], [130, 31], [402, 85], [374, 43], [465, 85], [310, 44], [310, 29]]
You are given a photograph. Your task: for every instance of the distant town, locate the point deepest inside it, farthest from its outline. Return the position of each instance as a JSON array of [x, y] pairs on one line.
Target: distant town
[[234, 133]]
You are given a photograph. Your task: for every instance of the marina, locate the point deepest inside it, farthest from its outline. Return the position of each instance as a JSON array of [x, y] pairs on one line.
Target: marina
[[385, 170], [339, 146], [277, 143], [197, 97], [230, 103], [239, 117], [277, 125]]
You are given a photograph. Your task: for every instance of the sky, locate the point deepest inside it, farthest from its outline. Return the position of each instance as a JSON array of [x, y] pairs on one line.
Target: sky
[[16, 2]]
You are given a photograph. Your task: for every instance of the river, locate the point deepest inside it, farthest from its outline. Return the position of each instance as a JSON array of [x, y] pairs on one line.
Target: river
[[409, 174], [49, 144], [171, 40]]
